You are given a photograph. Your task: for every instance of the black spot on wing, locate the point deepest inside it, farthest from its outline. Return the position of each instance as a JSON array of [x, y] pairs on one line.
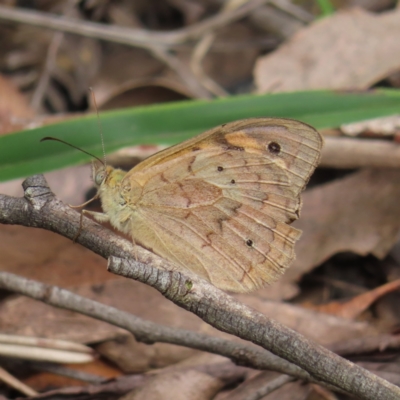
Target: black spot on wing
[[274, 148]]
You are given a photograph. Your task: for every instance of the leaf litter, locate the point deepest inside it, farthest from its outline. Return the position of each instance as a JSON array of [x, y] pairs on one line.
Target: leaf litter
[[342, 290]]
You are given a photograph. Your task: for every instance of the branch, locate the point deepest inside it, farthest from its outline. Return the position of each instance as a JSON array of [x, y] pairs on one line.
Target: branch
[[129, 36], [147, 331], [39, 208], [343, 152], [228, 315]]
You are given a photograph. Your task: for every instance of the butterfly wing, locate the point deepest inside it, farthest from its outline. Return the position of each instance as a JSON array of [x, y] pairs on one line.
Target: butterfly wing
[[220, 203]]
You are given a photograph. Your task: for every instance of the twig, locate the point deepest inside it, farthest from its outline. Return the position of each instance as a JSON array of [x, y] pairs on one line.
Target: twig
[[293, 10], [225, 371], [45, 343], [228, 315], [132, 37], [198, 54], [156, 43], [16, 383], [52, 51], [146, 331], [44, 354], [44, 79], [61, 370], [39, 208], [182, 71], [342, 152]]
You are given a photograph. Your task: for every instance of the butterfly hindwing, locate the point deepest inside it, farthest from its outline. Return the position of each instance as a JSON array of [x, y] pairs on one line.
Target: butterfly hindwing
[[220, 203]]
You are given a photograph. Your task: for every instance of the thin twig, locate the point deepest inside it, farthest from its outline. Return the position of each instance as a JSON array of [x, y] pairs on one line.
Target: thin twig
[[15, 383], [129, 36], [44, 79], [146, 331], [157, 43], [67, 372], [293, 10], [198, 54], [52, 51], [228, 315], [342, 152], [200, 51], [183, 72], [45, 343], [39, 208]]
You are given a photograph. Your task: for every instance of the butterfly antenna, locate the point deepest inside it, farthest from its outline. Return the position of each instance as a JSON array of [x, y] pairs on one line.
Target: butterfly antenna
[[100, 126], [95, 197], [71, 145]]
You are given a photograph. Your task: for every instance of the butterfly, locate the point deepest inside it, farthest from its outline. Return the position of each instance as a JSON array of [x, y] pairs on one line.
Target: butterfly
[[219, 204]]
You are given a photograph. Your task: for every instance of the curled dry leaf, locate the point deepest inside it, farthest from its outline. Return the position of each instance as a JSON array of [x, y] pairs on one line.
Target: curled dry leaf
[[331, 53], [354, 307]]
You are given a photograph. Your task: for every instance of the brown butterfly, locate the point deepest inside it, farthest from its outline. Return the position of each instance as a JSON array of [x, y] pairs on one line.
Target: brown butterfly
[[220, 203]]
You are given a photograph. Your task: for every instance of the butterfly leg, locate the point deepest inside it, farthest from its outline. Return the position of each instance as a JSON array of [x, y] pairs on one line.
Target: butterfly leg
[[97, 216]]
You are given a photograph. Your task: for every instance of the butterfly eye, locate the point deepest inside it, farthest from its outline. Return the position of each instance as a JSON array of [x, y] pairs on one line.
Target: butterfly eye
[[220, 168], [100, 177], [249, 243], [274, 148]]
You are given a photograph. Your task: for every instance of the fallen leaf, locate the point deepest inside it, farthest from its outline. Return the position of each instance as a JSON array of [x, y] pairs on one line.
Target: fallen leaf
[[320, 327], [352, 49], [15, 111], [41, 255], [359, 213], [12, 102], [145, 302], [178, 386], [351, 309]]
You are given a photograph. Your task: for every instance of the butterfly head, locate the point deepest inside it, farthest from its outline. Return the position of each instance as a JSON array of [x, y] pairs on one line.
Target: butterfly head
[[100, 173], [107, 177]]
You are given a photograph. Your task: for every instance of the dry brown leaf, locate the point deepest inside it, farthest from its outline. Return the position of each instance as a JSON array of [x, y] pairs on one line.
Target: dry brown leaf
[[133, 357], [358, 213], [15, 111], [41, 255], [181, 385], [13, 104], [321, 393], [132, 64], [233, 43], [290, 391], [351, 309], [352, 49], [143, 301], [41, 381], [322, 328], [256, 381]]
